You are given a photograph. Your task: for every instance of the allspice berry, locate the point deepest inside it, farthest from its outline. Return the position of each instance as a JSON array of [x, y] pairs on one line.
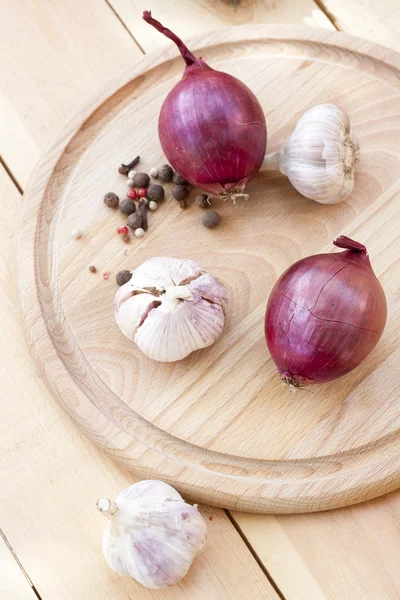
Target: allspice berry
[[141, 180], [155, 192], [202, 201], [134, 220], [210, 219], [111, 200], [165, 173], [127, 207], [123, 277], [178, 179], [179, 192]]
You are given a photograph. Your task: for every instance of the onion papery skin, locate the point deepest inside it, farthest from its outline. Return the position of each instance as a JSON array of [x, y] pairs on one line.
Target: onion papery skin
[[324, 316], [211, 126]]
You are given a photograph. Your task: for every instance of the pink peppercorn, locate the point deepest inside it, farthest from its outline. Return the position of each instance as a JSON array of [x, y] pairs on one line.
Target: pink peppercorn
[[106, 275], [131, 193], [142, 193], [122, 230]]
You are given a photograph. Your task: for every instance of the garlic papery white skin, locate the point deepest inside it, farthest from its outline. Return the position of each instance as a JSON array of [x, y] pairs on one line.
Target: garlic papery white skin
[[320, 156], [170, 307], [153, 535]]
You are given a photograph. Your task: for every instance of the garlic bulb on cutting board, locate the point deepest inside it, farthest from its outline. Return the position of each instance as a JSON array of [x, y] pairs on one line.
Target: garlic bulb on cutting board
[[153, 535], [320, 156], [170, 307]]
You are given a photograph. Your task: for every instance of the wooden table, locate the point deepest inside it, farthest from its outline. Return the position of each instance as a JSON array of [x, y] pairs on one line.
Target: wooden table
[[53, 55]]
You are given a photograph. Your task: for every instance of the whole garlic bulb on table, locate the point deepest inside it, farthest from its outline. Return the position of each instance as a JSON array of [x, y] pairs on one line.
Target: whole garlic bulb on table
[[153, 535], [320, 156], [171, 307]]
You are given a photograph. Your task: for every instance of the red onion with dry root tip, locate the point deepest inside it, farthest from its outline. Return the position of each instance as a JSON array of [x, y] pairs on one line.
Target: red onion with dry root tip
[[325, 315], [211, 126]]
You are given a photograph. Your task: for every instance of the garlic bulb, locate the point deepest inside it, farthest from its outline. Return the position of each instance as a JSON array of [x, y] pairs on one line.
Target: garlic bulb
[[152, 534], [170, 307], [320, 156]]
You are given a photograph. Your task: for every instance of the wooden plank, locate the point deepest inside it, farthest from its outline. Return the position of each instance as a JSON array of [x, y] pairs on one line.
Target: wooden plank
[[50, 477], [13, 583], [187, 17], [55, 55], [351, 553], [372, 20]]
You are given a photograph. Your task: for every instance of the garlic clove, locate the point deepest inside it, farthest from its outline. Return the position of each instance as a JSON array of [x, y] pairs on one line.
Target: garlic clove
[[170, 308], [154, 535], [321, 155]]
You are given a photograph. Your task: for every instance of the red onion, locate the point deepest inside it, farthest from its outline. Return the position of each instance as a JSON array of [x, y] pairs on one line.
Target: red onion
[[325, 315], [211, 126]]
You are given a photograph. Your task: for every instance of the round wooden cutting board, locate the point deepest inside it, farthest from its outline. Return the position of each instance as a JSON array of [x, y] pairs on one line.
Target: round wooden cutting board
[[219, 425]]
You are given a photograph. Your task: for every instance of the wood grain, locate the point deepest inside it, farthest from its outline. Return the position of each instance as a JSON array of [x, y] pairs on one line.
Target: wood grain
[[55, 56], [12, 579], [218, 426], [51, 476], [375, 21], [209, 15]]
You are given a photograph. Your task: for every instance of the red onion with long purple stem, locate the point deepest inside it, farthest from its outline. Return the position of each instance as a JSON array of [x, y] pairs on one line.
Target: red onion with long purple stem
[[211, 126], [325, 315]]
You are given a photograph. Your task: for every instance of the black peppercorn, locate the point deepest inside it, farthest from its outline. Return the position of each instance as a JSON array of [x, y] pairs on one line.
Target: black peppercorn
[[210, 219], [165, 173], [179, 192], [127, 207], [134, 220], [92, 269], [155, 192], [123, 277], [111, 200], [202, 201], [178, 179], [141, 180]]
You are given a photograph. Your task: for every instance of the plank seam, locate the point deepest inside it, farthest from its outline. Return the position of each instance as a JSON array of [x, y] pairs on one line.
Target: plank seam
[[20, 565], [327, 13], [110, 6], [11, 176]]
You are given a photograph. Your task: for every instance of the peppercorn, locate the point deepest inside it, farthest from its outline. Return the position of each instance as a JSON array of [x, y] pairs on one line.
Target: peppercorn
[[142, 193], [111, 200], [124, 169], [153, 205], [202, 201], [134, 220], [123, 277], [126, 238], [182, 203], [122, 229], [127, 207], [178, 179], [141, 180], [179, 192], [165, 173], [154, 172], [210, 219], [132, 194], [92, 269], [131, 174], [155, 192], [130, 183], [139, 232]]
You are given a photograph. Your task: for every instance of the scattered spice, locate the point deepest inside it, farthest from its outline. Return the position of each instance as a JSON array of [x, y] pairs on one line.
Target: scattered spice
[[126, 238], [76, 233], [132, 195], [153, 205], [106, 275], [130, 183], [155, 192], [139, 232], [92, 269], [182, 203], [202, 201], [178, 179], [134, 220], [211, 518], [143, 212], [154, 172], [210, 219], [111, 200], [141, 180], [127, 207], [124, 169], [142, 193], [122, 230], [123, 277], [179, 192], [131, 174], [166, 173]]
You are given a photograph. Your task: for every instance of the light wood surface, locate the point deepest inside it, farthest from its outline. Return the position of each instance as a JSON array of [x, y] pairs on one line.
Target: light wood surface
[[50, 478], [306, 558], [221, 428]]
